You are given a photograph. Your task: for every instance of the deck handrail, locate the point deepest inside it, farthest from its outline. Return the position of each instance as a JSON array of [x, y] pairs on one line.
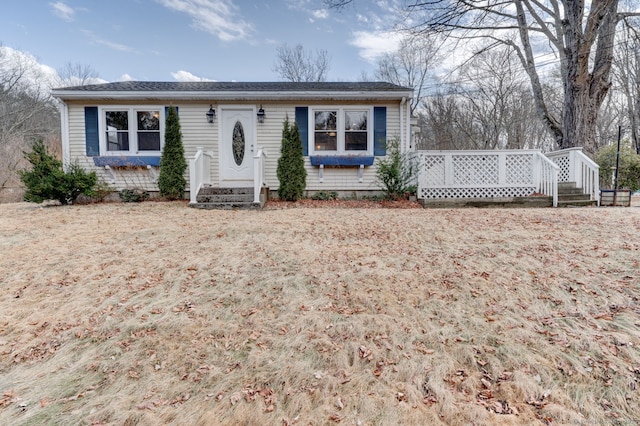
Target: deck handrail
[[577, 167], [199, 173], [548, 177], [258, 173]]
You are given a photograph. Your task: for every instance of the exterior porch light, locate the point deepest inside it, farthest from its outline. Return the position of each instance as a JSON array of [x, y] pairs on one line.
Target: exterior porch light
[[261, 115], [211, 114]]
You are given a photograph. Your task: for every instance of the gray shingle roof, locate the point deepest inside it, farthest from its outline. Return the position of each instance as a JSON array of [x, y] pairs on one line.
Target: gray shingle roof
[[221, 86]]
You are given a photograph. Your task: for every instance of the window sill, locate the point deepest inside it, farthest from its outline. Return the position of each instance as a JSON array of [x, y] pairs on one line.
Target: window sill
[[341, 160], [127, 161]]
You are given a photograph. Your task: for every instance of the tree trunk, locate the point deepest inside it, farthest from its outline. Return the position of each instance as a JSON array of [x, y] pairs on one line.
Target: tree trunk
[[585, 86]]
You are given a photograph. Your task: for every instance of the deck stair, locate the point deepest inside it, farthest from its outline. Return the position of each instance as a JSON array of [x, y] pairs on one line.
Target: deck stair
[[226, 199], [570, 195]]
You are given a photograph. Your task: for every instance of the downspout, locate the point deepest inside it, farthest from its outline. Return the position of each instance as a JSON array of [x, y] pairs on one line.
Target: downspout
[[408, 127], [64, 128], [402, 134]]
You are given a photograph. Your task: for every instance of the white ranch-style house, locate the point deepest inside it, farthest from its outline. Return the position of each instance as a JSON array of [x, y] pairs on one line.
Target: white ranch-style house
[[232, 131]]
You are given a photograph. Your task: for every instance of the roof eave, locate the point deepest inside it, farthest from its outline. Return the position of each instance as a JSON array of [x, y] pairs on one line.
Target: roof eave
[[229, 95]]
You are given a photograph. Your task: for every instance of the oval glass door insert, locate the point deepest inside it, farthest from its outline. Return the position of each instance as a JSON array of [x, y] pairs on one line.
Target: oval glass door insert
[[238, 143]]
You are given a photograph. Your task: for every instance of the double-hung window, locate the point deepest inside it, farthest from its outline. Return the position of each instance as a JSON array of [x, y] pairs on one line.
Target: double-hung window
[[131, 130], [342, 131]]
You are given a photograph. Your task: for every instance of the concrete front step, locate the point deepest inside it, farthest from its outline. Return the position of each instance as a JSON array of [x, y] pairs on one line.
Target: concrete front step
[[225, 198], [210, 190], [227, 206]]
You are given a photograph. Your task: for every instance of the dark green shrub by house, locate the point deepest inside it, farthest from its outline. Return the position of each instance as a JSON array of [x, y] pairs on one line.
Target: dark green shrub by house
[[173, 165], [47, 180], [396, 174], [291, 173]]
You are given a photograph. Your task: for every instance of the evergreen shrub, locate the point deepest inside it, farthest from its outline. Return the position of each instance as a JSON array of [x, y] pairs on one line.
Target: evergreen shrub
[[396, 173], [173, 165], [47, 179], [291, 172]]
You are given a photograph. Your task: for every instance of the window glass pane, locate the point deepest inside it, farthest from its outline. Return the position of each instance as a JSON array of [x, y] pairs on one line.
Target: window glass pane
[[355, 130], [117, 130], [355, 120], [355, 141], [326, 120], [117, 120], [117, 141], [326, 141], [148, 120], [149, 141]]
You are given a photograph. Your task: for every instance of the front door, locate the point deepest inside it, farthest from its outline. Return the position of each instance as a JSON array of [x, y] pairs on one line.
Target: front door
[[236, 147]]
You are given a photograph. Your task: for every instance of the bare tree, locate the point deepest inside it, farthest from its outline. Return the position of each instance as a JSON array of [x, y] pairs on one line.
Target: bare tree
[[296, 64], [581, 36], [77, 74], [26, 113], [410, 65], [439, 121], [627, 76], [488, 106]]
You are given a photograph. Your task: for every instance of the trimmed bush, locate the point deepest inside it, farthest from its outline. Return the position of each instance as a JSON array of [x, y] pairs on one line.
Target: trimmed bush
[[291, 172], [133, 195], [325, 196], [173, 165], [48, 181]]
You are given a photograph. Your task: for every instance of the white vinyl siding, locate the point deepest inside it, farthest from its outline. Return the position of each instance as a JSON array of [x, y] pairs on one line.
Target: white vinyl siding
[[197, 132]]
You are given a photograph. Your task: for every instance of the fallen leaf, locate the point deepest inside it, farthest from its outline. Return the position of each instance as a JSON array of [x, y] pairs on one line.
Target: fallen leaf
[[335, 417], [235, 398]]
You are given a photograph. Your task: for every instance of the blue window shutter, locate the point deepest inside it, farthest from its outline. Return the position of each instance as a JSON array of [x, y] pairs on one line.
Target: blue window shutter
[[166, 111], [302, 120], [92, 136], [380, 131]]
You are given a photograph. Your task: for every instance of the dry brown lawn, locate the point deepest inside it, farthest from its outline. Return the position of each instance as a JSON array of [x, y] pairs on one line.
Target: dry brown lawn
[[154, 313]]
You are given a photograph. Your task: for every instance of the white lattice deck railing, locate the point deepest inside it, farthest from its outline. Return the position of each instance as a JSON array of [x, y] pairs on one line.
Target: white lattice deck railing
[[485, 174], [576, 167]]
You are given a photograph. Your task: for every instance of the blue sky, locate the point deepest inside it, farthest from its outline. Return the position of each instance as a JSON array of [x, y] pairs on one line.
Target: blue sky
[[181, 40]]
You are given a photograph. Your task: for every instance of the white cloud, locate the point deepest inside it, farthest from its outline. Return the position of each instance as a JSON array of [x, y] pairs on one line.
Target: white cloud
[[320, 14], [110, 44], [63, 11], [126, 77], [218, 17], [187, 76], [372, 45]]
